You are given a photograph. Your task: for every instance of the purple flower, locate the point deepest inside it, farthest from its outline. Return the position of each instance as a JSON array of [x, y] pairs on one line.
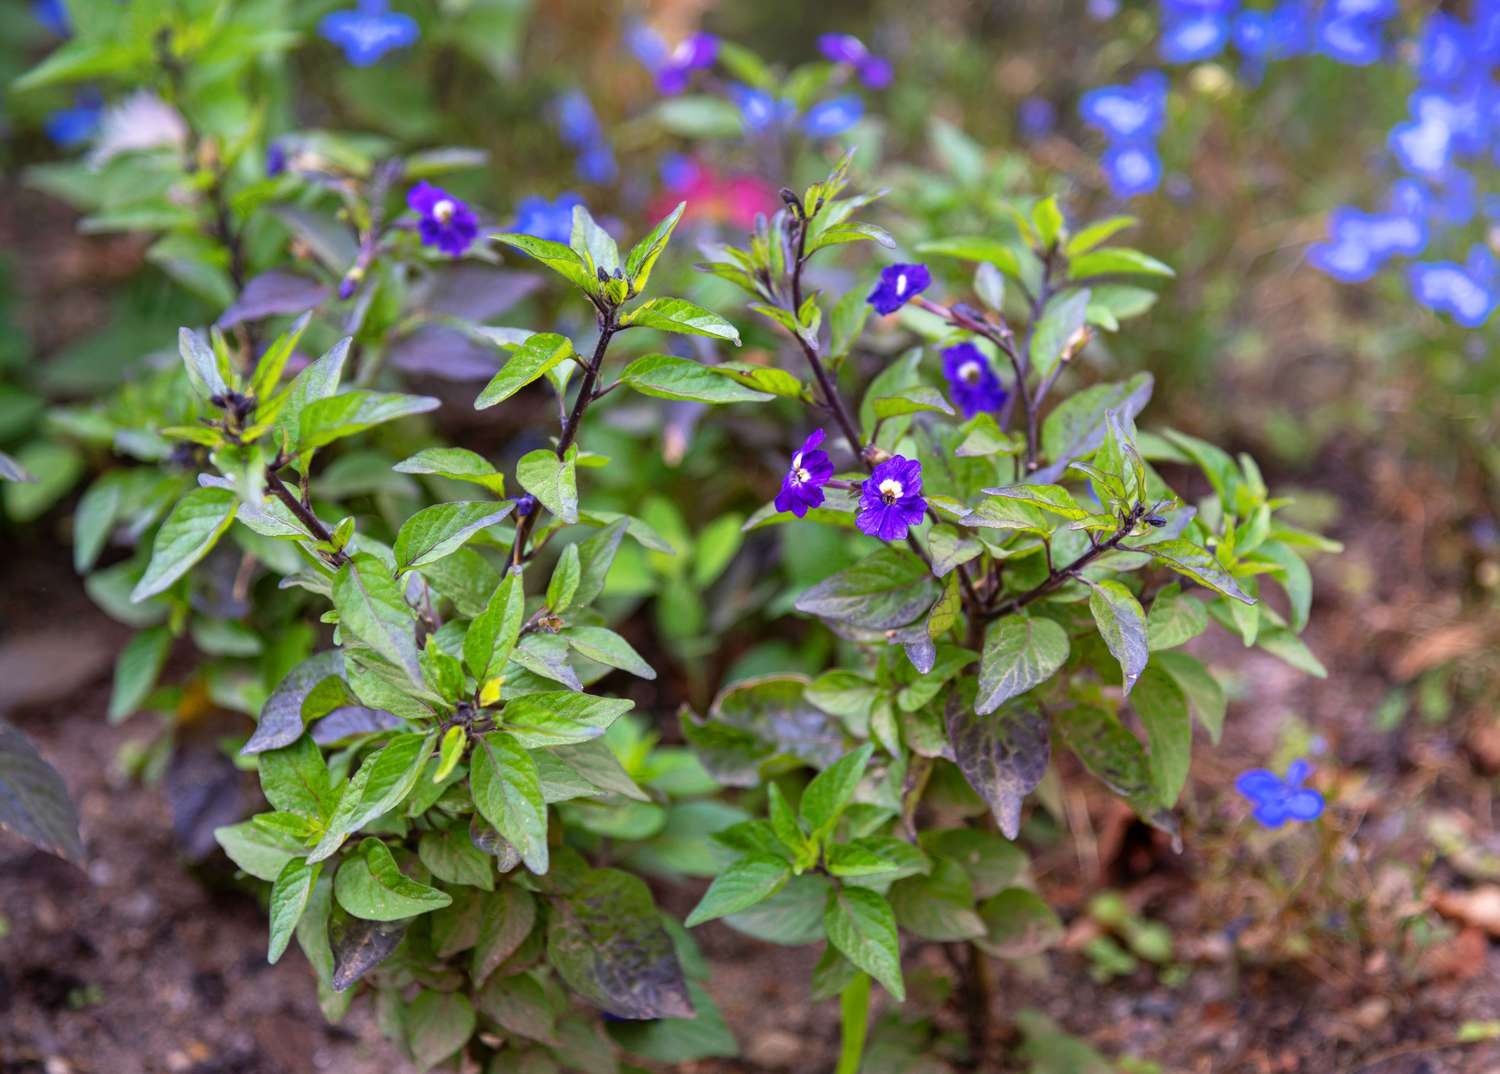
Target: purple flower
[[695, 53], [897, 284], [1126, 113], [971, 382], [1037, 117], [552, 220], [525, 505], [890, 500], [275, 159], [873, 71], [1278, 800], [1132, 168], [68, 127], [1465, 292], [597, 165], [444, 221], [368, 32], [575, 119], [829, 119], [802, 487]]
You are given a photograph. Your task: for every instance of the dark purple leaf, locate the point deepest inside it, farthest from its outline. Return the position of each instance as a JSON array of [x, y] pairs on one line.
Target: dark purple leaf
[[1003, 755], [281, 716], [437, 351], [34, 802], [352, 720], [272, 293], [477, 293], [204, 791], [359, 946]]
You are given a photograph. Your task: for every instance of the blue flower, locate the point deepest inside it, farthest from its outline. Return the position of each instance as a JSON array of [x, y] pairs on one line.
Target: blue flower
[[1037, 117], [1284, 31], [759, 109], [1352, 40], [897, 284], [1131, 168], [53, 14], [1360, 242], [1102, 10], [574, 117], [1278, 800], [1443, 52], [1425, 143], [696, 52], [551, 220], [872, 70], [971, 382], [369, 31], [1130, 112], [69, 127], [275, 159], [443, 220], [890, 500], [1188, 37], [1465, 292], [802, 485], [597, 164], [829, 119]]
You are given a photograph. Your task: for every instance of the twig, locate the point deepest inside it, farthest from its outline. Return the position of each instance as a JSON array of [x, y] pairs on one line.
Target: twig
[[1058, 577]]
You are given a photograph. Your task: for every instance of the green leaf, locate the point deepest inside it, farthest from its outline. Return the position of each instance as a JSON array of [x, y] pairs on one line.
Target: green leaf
[[1054, 499], [289, 896], [1055, 329], [668, 377], [1163, 709], [937, 907], [508, 793], [862, 926], [592, 243], [261, 853], [918, 400], [557, 257], [371, 886], [295, 779], [1019, 924], [189, 533], [533, 359], [437, 1025], [202, 364], [1077, 427], [888, 588], [553, 481], [1003, 756], [974, 248], [1117, 259], [606, 940], [1174, 618], [1047, 218], [606, 647], [34, 802], [1203, 691], [440, 530], [281, 720], [642, 257], [680, 316], [1020, 653], [595, 556], [456, 464], [1109, 751], [505, 921], [450, 751], [1095, 233], [493, 634], [326, 420], [1186, 558], [824, 799], [560, 717], [452, 857], [699, 116], [564, 582], [373, 608], [382, 783], [1122, 624], [745, 883], [318, 381], [136, 669]]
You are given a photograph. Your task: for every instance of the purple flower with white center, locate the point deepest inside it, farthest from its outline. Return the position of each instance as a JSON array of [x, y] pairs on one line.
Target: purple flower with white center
[[873, 71], [369, 31], [802, 485], [1037, 117], [971, 381], [551, 220], [890, 500], [443, 220], [1279, 799], [1132, 168], [829, 119], [1126, 113], [898, 283], [1465, 292], [69, 127], [1360, 243], [697, 52]]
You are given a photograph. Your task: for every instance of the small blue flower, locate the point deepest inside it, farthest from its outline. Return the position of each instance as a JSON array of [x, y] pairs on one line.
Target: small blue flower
[[971, 381], [802, 484], [551, 220], [1278, 800], [597, 165], [829, 119], [872, 70], [1465, 292], [897, 284], [1103, 10], [53, 14], [1130, 112], [1131, 168], [575, 119], [1195, 37], [1360, 242], [369, 31], [1443, 51], [890, 500], [69, 127], [275, 160], [1285, 30], [1037, 117], [1425, 143], [697, 52], [443, 220], [759, 109], [1355, 41]]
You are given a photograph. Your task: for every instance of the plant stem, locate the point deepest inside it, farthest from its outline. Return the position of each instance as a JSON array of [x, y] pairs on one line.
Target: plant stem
[[854, 1024], [586, 395], [299, 507], [1059, 575]]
